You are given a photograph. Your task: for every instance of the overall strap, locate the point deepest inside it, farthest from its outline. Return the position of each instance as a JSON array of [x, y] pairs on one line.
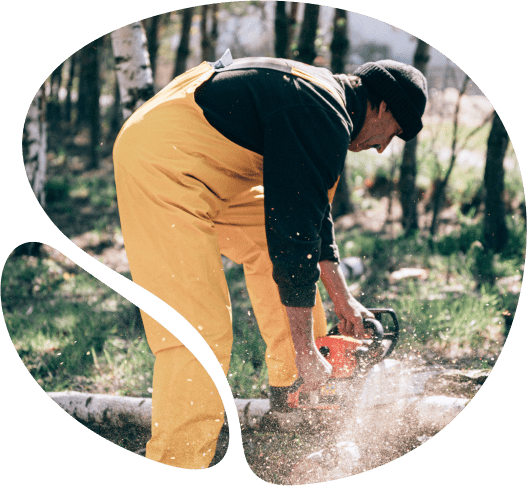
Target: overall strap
[[227, 63]]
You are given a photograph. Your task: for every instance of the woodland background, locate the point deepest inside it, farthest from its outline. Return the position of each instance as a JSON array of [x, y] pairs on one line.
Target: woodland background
[[437, 224]]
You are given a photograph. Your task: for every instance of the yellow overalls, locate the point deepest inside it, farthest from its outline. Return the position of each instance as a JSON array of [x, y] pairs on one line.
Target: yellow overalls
[[186, 196]]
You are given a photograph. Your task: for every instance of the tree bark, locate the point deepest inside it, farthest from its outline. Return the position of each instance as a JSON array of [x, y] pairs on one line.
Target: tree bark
[[183, 48], [441, 184], [281, 30], [85, 76], [53, 107], [205, 42], [209, 37], [408, 171], [340, 43], [341, 204], [339, 54], [117, 114], [94, 106], [88, 107], [34, 145], [69, 88], [292, 24], [214, 32], [495, 233], [308, 34], [132, 65], [152, 29]]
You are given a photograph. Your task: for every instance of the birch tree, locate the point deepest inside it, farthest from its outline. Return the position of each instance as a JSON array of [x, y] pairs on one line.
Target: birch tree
[[132, 65], [34, 144]]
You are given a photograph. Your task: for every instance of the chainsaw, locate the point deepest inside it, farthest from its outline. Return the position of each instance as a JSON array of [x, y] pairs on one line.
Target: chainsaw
[[351, 359]]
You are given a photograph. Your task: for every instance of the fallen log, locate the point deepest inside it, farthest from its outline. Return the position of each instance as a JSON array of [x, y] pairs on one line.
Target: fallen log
[[108, 410], [421, 414], [431, 396]]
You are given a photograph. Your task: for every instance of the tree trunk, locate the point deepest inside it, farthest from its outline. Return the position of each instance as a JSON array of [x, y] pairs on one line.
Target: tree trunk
[[152, 30], [308, 34], [204, 34], [69, 88], [340, 43], [339, 53], [132, 65], [281, 30], [408, 171], [34, 144], [94, 106], [209, 37], [53, 112], [85, 75], [88, 108], [341, 204], [441, 184], [495, 233], [293, 13], [214, 32], [183, 48], [117, 114]]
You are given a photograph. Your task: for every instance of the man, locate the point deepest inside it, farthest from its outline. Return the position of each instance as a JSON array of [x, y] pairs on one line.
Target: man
[[192, 166]]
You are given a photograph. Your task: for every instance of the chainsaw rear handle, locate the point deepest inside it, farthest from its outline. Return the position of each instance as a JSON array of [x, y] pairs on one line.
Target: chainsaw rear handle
[[376, 327], [392, 336], [373, 353]]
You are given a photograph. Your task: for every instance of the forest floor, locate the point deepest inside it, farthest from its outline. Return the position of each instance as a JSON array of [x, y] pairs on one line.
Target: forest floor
[[449, 315]]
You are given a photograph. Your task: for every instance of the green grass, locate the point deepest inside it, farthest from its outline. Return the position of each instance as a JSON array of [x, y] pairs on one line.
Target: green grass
[[71, 331], [457, 306], [74, 333]]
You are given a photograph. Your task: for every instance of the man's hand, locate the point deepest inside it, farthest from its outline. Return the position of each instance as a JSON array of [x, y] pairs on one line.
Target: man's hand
[[348, 310], [350, 314], [312, 367]]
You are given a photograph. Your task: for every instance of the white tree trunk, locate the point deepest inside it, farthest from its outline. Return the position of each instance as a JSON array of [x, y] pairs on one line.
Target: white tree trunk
[[132, 64], [411, 396], [35, 145]]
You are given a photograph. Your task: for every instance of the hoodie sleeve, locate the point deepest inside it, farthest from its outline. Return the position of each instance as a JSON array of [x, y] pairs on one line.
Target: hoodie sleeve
[[329, 249], [304, 152]]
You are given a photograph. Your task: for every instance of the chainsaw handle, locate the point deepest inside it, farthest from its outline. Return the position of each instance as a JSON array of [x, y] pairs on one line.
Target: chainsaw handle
[[376, 327], [369, 355], [392, 336]]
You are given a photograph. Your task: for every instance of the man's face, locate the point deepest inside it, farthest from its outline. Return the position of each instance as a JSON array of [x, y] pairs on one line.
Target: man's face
[[378, 130]]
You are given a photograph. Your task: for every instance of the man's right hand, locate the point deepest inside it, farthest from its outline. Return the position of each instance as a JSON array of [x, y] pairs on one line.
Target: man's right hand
[[312, 367]]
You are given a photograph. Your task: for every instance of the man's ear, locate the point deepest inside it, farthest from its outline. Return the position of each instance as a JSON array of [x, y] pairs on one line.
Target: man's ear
[[382, 109]]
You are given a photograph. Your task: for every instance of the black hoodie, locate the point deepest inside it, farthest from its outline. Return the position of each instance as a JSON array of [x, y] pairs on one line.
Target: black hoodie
[[303, 133]]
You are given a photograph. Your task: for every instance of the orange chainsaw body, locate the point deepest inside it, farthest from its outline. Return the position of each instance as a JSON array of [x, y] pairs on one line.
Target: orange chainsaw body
[[340, 352]]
